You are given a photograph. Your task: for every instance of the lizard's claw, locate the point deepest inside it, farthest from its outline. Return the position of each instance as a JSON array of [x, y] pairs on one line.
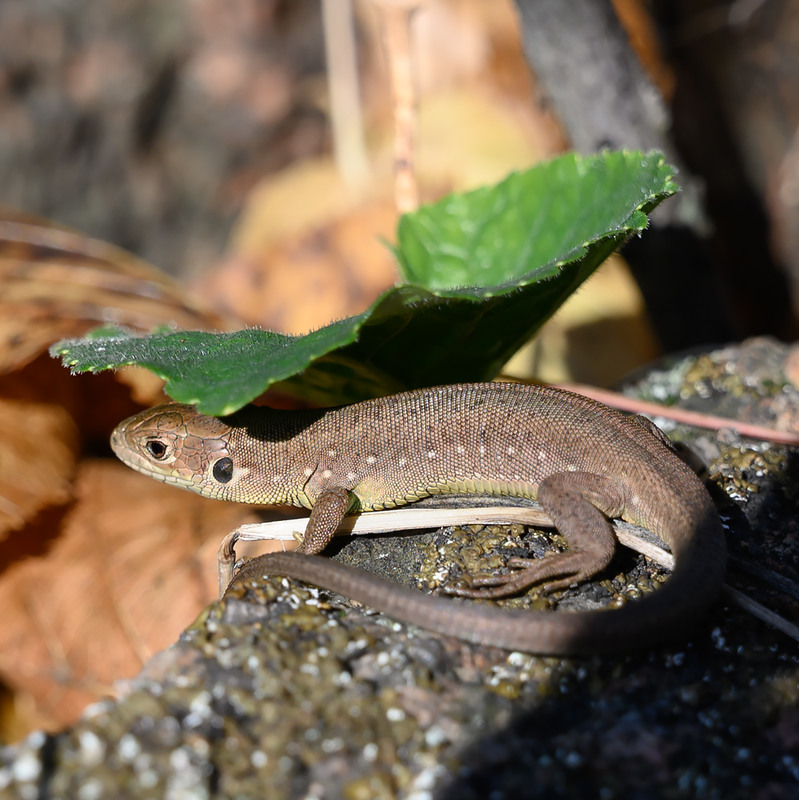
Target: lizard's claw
[[558, 571]]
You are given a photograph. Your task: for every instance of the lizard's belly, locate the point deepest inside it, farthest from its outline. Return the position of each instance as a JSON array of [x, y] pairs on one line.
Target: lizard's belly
[[374, 498]]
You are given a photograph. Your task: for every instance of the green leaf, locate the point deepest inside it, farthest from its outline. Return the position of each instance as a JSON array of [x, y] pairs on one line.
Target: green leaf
[[483, 271]]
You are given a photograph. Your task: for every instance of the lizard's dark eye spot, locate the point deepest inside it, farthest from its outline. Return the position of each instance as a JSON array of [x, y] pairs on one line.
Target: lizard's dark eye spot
[[223, 470], [157, 449]]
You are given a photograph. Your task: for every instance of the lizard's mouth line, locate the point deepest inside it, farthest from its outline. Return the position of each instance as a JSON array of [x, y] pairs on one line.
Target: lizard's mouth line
[[139, 464]]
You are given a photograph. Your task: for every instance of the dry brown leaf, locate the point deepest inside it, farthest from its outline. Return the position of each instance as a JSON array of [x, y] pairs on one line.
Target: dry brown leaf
[[601, 333], [37, 458], [96, 403], [308, 248], [55, 283], [334, 269], [132, 564]]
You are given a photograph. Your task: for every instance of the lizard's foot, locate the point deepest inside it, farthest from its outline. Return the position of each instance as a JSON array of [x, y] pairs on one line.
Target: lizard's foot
[[578, 503], [556, 571]]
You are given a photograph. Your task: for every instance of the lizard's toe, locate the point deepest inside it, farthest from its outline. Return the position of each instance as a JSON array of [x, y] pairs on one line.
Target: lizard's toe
[[557, 571]]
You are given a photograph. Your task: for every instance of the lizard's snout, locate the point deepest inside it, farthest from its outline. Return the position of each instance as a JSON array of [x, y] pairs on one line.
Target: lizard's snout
[[119, 439]]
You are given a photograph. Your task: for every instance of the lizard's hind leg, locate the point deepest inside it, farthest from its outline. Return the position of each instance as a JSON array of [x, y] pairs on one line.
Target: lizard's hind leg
[[579, 504]]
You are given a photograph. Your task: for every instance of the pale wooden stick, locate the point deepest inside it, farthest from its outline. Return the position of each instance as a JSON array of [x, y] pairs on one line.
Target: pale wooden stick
[[738, 598], [401, 519], [416, 518]]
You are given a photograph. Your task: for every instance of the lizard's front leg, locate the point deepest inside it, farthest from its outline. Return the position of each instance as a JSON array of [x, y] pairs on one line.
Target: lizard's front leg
[[327, 514], [579, 504]]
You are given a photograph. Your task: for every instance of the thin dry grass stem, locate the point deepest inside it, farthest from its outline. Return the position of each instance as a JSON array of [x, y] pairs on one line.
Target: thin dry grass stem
[[683, 415], [395, 21], [346, 118]]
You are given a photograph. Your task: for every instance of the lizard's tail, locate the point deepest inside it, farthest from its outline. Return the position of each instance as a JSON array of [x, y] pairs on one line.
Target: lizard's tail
[[700, 559]]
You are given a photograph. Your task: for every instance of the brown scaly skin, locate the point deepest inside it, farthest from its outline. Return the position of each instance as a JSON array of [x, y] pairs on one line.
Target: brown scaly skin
[[583, 461]]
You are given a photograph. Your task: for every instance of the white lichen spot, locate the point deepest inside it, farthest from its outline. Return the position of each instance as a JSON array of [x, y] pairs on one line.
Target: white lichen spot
[[95, 710], [395, 714], [180, 759], [259, 759], [199, 710], [90, 790], [332, 745], [342, 679], [92, 749], [435, 736], [370, 752], [26, 768], [147, 777], [128, 747]]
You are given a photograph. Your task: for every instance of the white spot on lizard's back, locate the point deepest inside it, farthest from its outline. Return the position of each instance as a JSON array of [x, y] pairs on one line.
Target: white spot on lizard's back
[[403, 462], [351, 476], [331, 453], [461, 449], [431, 453], [542, 455], [326, 473], [370, 459], [307, 472], [511, 450], [277, 478]]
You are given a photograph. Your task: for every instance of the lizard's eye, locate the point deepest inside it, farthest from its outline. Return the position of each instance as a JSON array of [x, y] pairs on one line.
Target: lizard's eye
[[223, 470], [157, 449]]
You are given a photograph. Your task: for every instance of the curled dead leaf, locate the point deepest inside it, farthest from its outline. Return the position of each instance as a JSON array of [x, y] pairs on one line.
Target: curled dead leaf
[[132, 563], [56, 283], [37, 459]]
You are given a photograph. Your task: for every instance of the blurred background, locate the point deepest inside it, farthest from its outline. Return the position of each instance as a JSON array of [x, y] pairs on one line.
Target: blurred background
[[246, 148], [200, 136]]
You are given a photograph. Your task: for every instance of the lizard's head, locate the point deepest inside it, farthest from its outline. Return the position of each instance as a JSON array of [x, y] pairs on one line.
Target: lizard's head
[[175, 444]]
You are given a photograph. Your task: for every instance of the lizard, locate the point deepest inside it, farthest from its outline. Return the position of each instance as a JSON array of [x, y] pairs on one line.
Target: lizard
[[584, 462]]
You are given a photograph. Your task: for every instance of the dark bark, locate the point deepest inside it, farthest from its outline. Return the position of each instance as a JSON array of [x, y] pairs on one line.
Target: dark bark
[[694, 282]]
